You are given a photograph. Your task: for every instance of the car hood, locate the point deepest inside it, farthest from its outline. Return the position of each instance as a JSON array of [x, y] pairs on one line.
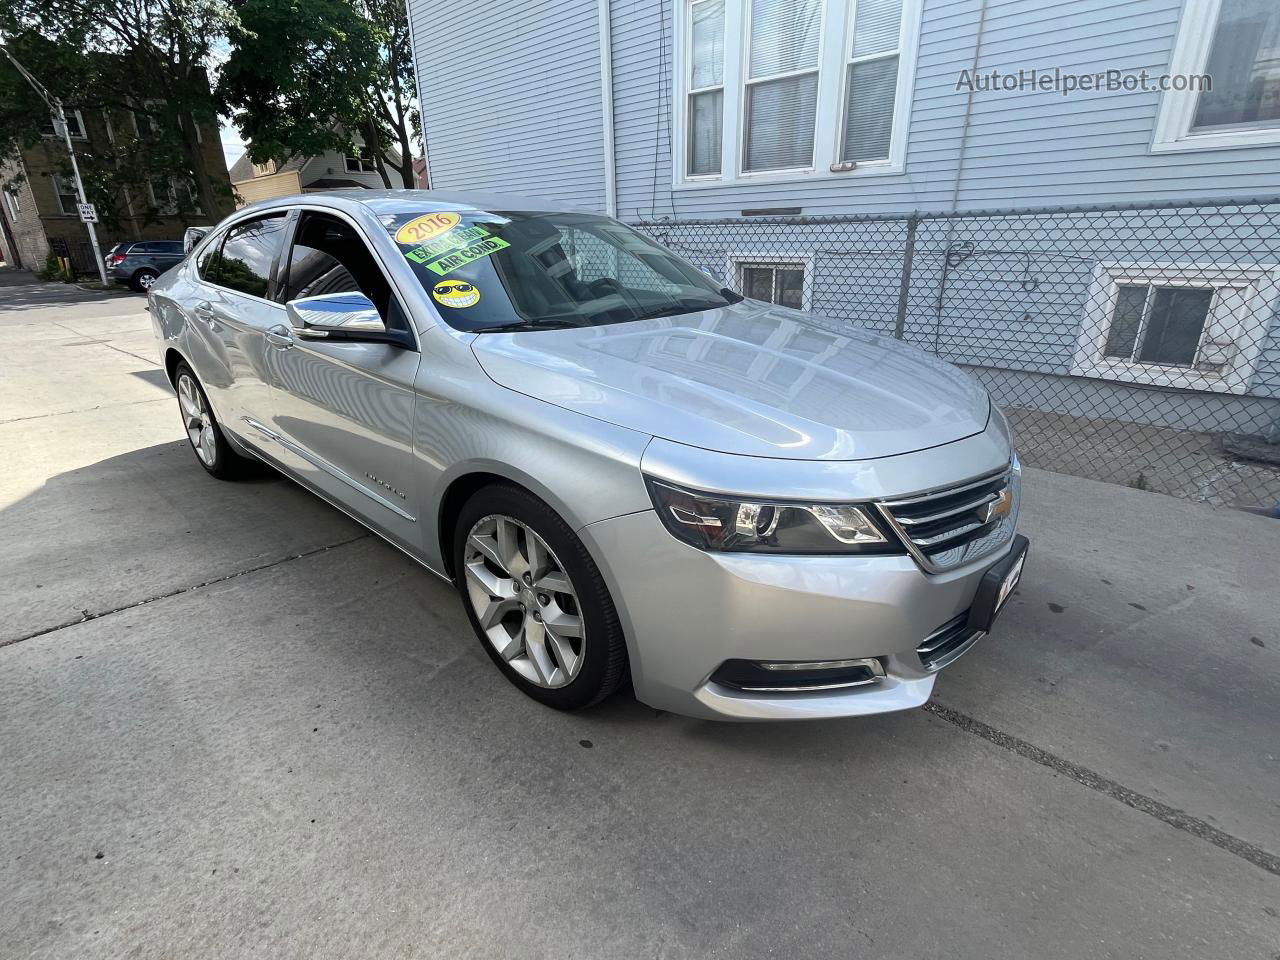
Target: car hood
[[750, 379]]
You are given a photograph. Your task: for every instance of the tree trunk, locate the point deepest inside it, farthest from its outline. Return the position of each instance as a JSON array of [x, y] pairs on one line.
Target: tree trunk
[[374, 143], [210, 205]]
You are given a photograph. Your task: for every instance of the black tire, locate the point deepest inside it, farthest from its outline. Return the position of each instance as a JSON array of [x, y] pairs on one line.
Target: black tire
[[142, 280], [603, 648], [221, 461]]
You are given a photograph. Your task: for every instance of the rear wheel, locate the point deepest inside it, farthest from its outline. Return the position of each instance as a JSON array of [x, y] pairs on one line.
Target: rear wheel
[[536, 599], [205, 436], [143, 280]]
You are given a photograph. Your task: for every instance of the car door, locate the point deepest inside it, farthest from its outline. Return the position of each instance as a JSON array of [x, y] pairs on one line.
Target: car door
[[230, 314], [343, 411]]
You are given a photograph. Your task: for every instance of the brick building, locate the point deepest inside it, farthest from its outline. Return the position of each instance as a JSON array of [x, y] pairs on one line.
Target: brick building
[[37, 201]]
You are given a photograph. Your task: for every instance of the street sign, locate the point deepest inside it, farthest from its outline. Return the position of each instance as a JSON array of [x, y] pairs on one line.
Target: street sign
[[87, 213]]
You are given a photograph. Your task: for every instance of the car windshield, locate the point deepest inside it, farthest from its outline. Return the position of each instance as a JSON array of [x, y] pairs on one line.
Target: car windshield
[[492, 271]]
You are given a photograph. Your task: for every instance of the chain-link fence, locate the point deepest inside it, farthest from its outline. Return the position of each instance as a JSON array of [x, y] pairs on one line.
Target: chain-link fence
[[1136, 344]]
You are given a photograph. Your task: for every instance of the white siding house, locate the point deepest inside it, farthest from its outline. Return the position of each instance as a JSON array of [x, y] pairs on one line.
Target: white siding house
[[847, 156], [512, 100]]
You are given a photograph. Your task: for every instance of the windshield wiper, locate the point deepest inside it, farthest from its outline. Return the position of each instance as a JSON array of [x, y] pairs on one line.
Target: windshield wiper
[[544, 323], [676, 310]]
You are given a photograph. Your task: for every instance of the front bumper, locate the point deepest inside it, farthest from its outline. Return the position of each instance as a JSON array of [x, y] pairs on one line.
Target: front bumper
[[686, 612]]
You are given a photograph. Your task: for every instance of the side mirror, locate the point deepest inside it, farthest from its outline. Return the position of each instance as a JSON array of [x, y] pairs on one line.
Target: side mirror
[[337, 316], [193, 236]]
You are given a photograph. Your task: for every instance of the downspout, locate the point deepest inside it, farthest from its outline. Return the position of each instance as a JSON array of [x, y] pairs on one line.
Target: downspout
[[955, 187], [968, 107], [417, 84], [606, 108]]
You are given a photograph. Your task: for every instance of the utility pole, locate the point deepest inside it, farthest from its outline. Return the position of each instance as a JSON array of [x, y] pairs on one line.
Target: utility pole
[[60, 121]]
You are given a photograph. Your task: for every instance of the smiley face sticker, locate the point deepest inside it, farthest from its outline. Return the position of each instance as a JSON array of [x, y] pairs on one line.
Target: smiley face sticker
[[455, 293]]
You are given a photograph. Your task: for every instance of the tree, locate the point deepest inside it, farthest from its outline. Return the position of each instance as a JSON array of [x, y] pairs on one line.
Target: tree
[[305, 76], [150, 57]]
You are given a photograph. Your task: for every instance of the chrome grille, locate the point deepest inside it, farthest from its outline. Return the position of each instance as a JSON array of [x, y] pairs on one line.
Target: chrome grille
[[947, 528]]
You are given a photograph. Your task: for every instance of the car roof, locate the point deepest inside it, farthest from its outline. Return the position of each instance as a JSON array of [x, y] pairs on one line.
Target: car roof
[[410, 201]]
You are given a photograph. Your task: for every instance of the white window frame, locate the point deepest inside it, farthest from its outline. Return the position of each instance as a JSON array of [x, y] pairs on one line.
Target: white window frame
[[835, 41], [67, 112], [11, 203], [1242, 322], [360, 162], [739, 259], [1177, 111]]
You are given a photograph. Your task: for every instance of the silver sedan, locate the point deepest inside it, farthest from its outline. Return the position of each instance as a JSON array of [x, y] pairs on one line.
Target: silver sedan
[[627, 470]]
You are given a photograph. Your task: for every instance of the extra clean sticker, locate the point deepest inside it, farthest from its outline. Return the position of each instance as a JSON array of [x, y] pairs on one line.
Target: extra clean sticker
[[427, 227], [460, 237], [455, 293]]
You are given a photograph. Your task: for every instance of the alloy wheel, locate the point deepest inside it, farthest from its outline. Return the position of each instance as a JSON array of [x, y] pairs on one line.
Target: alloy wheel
[[147, 281], [524, 601], [197, 420]]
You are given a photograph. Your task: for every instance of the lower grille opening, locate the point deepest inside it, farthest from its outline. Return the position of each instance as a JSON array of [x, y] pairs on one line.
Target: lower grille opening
[[798, 676], [947, 642]]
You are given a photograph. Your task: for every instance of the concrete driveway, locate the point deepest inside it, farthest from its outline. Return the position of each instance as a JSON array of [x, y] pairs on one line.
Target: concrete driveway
[[234, 725]]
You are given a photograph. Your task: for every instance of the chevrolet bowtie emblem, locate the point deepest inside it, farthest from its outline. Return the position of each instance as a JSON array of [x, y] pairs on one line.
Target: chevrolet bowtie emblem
[[999, 507]]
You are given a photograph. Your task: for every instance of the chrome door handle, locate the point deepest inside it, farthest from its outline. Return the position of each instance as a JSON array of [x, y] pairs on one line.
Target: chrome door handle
[[204, 310], [279, 336]]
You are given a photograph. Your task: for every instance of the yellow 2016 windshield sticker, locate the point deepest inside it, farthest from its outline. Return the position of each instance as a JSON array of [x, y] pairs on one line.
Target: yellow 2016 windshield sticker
[[455, 293], [427, 227]]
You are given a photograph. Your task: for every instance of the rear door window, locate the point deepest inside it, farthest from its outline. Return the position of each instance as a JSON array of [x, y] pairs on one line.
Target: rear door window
[[248, 255]]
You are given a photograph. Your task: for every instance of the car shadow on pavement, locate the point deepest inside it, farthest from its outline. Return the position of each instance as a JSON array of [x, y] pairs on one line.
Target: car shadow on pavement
[[156, 377]]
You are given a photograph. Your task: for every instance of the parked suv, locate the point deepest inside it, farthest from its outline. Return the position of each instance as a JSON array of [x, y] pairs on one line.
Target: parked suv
[[624, 468], [141, 262]]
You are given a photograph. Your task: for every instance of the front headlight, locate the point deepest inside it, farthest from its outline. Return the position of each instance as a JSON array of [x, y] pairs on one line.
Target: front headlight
[[716, 522]]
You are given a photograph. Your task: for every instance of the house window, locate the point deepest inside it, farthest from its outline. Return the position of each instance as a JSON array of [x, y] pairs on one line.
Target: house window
[[1198, 327], [145, 124], [75, 125], [706, 87], [359, 165], [1237, 43], [174, 195], [871, 81], [788, 89], [772, 281], [65, 187], [781, 96], [11, 201]]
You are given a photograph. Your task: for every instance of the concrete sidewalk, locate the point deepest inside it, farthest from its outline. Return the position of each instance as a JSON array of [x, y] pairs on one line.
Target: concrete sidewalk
[[233, 724]]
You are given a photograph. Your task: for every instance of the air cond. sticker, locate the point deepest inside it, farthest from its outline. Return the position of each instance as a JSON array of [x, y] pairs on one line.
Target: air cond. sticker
[[427, 227], [469, 254], [458, 237], [455, 293]]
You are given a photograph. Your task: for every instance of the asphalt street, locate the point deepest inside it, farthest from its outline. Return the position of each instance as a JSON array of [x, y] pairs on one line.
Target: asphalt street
[[233, 724]]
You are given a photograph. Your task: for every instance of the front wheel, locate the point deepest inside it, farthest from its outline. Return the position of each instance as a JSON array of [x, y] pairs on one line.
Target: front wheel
[[203, 432], [536, 599]]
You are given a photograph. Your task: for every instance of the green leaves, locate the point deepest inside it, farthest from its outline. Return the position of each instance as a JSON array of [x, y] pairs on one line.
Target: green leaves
[[306, 76]]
